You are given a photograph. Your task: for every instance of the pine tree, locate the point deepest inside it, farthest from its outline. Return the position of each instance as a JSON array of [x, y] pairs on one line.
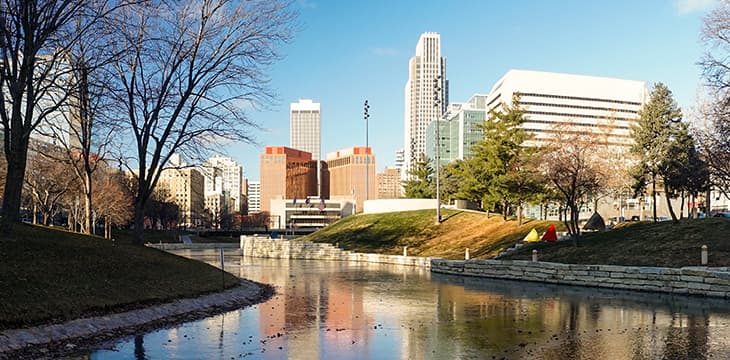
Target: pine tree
[[421, 184], [657, 143], [507, 167]]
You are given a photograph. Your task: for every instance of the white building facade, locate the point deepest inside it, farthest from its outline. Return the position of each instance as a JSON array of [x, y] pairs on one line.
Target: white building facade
[[586, 104], [305, 127], [254, 196], [223, 175], [426, 95]]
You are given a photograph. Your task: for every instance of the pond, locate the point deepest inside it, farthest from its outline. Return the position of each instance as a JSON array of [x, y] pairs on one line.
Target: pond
[[347, 310]]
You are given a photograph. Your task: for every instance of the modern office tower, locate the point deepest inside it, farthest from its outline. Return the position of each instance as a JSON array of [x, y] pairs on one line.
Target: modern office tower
[[223, 174], [389, 184], [426, 95], [586, 104], [186, 189], [305, 129], [459, 130], [287, 173], [347, 177], [254, 196]]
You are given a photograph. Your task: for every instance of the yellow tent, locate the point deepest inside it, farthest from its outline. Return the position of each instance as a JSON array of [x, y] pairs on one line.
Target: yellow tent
[[532, 236]]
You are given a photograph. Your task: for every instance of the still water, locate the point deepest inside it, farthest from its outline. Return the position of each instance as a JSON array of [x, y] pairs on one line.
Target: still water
[[342, 310]]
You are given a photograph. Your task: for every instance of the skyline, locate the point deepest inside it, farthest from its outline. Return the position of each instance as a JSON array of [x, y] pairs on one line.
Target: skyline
[[347, 53]]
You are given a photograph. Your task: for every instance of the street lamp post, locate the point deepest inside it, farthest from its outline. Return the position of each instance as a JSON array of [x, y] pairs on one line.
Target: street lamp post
[[367, 157], [436, 104]]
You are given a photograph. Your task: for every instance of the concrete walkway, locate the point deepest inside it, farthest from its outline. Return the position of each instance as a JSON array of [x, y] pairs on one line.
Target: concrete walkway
[[51, 341]]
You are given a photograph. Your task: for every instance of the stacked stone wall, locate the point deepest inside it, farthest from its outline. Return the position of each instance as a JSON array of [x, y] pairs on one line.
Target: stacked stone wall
[[705, 281]]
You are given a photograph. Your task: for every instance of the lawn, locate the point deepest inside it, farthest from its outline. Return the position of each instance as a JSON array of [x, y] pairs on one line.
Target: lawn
[[50, 275], [643, 244], [388, 233]]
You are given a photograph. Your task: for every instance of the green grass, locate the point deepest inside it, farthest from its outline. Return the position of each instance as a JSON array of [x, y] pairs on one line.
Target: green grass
[[643, 244], [388, 233], [48, 275]]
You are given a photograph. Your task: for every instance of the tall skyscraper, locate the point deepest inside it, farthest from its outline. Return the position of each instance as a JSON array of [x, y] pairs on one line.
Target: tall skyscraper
[[426, 95], [305, 133]]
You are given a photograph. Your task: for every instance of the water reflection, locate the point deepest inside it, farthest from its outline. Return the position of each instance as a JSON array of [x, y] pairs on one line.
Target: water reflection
[[338, 310]]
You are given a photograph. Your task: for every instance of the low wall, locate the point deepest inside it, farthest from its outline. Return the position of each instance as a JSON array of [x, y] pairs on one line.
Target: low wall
[[705, 281], [195, 246], [307, 250]]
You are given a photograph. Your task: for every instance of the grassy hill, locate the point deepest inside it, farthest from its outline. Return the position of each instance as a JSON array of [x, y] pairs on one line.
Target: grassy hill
[[49, 275], [643, 244], [388, 233], [632, 243]]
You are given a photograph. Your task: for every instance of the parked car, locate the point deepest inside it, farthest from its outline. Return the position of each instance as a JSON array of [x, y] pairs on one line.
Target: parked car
[[722, 214]]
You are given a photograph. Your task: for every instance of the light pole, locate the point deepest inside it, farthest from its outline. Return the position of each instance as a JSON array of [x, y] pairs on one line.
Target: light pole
[[436, 104], [367, 157]]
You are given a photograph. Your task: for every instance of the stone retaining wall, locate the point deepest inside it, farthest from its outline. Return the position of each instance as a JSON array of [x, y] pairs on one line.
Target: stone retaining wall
[[705, 281], [195, 246], [307, 250]]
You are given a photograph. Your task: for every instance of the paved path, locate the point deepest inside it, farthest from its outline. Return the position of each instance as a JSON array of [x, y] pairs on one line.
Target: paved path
[[69, 337]]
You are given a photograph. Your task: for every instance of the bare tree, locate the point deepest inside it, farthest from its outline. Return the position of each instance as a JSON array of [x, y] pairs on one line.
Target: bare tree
[[34, 37], [714, 134], [189, 68], [46, 182], [113, 200], [574, 171], [83, 129]]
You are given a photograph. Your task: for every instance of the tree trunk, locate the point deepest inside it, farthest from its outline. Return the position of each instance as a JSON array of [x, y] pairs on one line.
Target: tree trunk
[[35, 214], [519, 214], [13, 188], [653, 195], [138, 221], [669, 206], [708, 203], [87, 204]]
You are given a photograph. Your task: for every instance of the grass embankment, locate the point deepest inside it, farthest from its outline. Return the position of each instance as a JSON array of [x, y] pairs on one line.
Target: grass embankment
[[642, 244], [388, 233], [48, 275]]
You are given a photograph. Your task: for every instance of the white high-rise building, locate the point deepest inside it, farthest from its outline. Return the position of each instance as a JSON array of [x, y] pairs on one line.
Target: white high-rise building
[[426, 95], [254, 196], [223, 175], [305, 133], [588, 104]]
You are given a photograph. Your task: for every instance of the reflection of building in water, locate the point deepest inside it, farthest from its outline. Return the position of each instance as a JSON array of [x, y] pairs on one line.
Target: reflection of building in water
[[343, 319], [604, 324]]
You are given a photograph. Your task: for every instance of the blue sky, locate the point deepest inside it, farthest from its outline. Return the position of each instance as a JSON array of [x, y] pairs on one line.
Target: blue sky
[[349, 51]]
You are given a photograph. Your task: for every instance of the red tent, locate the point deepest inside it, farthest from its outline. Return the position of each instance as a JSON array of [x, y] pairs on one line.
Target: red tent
[[550, 235]]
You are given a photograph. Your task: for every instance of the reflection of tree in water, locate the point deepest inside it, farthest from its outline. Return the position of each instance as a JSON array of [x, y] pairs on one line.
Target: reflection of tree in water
[[690, 341], [139, 348], [570, 345]]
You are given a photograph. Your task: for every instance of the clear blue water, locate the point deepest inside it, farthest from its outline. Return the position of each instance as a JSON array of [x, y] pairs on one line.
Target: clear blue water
[[341, 310]]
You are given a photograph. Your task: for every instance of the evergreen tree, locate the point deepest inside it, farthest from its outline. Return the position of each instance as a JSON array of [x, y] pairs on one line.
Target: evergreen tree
[[504, 163], [421, 184], [659, 144]]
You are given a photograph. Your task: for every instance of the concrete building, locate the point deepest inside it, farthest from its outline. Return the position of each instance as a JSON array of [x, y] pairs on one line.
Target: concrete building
[[223, 174], [459, 130], [426, 69], [347, 169], [186, 189], [287, 173], [254, 196], [305, 131], [587, 104], [389, 184]]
